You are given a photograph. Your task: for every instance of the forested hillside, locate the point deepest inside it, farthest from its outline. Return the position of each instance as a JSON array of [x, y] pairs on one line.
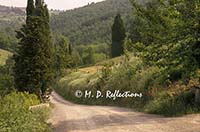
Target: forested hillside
[[11, 16], [161, 60], [86, 25], [11, 19], [92, 23]]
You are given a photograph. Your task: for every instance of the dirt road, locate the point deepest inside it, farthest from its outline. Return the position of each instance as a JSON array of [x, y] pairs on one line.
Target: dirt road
[[69, 117]]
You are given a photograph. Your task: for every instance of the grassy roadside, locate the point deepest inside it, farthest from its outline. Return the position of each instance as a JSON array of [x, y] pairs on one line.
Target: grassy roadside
[[173, 99], [16, 115], [4, 56]]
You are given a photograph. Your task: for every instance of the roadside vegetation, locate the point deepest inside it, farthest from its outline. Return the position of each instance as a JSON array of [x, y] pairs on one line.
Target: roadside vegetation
[[170, 100], [15, 115], [4, 56], [161, 60], [23, 88]]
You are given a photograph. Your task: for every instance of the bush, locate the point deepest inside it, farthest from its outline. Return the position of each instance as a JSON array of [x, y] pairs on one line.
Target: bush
[[6, 85], [15, 115], [178, 105], [6, 78]]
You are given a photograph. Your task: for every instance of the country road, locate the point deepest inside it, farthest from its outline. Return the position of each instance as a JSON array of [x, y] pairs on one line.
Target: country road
[[69, 117]]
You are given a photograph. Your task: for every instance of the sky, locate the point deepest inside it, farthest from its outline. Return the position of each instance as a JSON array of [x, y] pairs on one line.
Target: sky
[[52, 4]]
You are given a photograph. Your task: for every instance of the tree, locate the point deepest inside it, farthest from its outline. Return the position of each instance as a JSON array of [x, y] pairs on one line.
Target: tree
[[33, 59], [70, 49], [118, 36], [171, 35], [30, 8], [89, 58], [62, 57], [77, 60]]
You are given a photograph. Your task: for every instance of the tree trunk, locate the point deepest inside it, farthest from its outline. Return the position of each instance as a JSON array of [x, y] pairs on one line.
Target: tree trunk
[[197, 95]]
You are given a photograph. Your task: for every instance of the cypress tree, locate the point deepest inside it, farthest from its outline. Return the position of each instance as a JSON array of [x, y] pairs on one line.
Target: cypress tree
[[30, 8], [33, 72], [38, 3], [118, 37]]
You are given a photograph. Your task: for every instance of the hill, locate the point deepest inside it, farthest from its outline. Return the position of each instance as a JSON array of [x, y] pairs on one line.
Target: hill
[[11, 17], [4, 56], [91, 23]]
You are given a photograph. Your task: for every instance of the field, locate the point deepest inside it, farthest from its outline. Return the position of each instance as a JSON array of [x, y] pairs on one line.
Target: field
[[4, 56]]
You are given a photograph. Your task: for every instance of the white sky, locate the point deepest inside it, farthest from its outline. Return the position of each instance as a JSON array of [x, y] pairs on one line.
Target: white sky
[[52, 4]]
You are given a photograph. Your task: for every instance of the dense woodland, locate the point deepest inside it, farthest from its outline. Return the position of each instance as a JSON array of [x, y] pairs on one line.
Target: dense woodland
[[94, 20]]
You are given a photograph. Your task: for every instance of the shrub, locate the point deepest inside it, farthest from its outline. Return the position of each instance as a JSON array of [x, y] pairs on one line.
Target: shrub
[[15, 115], [6, 85], [167, 105]]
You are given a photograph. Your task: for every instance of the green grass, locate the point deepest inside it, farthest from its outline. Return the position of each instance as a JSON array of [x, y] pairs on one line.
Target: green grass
[[136, 77], [15, 115], [113, 60], [4, 56]]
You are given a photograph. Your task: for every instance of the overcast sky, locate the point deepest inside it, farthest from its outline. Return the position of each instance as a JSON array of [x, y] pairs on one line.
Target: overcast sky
[[52, 4]]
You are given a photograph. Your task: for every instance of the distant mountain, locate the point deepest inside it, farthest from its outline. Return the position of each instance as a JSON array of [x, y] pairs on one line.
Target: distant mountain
[[91, 23]]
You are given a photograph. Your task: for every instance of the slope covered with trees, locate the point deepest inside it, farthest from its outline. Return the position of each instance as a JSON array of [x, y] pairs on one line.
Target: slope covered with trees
[[161, 61], [92, 23], [11, 19]]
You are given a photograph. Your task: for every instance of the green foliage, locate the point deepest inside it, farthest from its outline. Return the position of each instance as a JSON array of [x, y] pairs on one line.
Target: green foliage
[[94, 20], [6, 84], [99, 57], [10, 20], [62, 55], [92, 54], [90, 24], [30, 8], [33, 59], [103, 78], [137, 77], [170, 35], [125, 78], [89, 58], [7, 41], [173, 105], [118, 37], [76, 58], [15, 115], [4, 55], [6, 78]]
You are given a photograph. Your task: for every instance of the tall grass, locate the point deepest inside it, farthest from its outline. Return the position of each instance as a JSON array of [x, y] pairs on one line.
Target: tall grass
[[15, 115], [136, 77]]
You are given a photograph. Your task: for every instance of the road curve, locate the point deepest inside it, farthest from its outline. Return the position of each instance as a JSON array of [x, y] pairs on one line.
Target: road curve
[[69, 117]]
